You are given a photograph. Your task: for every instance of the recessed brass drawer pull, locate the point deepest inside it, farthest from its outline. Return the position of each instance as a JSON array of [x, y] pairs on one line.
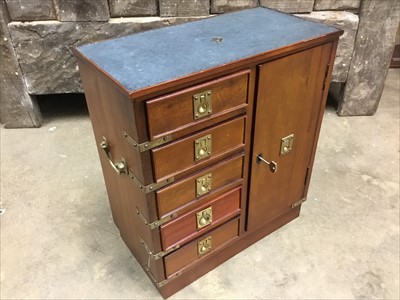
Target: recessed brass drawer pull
[[203, 184], [204, 246], [119, 167], [202, 147], [202, 105], [204, 217]]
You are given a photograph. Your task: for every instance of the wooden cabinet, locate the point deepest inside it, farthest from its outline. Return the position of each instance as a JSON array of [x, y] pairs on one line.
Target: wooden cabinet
[[207, 133]]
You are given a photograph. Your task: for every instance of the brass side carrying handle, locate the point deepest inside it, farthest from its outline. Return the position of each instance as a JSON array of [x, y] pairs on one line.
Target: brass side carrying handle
[[119, 167], [273, 166]]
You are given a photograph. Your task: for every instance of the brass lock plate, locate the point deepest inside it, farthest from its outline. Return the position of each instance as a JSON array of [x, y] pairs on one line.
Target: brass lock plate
[[202, 104], [204, 246], [287, 144], [204, 217], [202, 147], [203, 184]]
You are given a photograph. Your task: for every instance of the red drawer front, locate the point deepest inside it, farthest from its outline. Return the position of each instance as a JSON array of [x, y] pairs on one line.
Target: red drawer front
[[185, 228]]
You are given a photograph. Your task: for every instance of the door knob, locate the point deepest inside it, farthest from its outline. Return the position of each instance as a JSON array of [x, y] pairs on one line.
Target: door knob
[[273, 166]]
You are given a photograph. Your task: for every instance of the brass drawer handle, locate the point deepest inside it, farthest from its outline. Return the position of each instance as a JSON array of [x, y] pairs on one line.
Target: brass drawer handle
[[273, 166], [204, 217], [203, 147], [119, 167], [204, 246]]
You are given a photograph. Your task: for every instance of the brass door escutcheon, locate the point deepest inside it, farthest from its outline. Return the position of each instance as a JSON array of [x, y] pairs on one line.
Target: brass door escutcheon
[[204, 217], [203, 184], [202, 104], [204, 246], [202, 147], [287, 144]]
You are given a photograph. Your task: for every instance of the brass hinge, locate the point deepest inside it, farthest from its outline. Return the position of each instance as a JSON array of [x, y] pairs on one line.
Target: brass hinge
[[152, 186], [157, 223], [307, 173], [158, 255], [326, 75], [302, 200], [147, 145]]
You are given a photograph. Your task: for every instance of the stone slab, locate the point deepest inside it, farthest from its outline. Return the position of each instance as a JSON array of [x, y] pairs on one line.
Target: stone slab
[[183, 8], [82, 10], [337, 4], [17, 107], [222, 6], [133, 8], [43, 48], [31, 10], [371, 59], [348, 22], [292, 6]]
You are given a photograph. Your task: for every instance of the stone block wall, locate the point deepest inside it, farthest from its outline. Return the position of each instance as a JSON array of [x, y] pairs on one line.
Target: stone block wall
[[42, 32]]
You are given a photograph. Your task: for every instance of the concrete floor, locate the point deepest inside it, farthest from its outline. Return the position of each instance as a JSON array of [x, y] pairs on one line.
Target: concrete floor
[[58, 240]]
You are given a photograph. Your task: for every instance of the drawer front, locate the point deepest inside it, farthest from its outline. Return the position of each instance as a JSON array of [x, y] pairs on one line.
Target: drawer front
[[201, 220], [196, 150], [182, 109], [202, 184], [201, 247]]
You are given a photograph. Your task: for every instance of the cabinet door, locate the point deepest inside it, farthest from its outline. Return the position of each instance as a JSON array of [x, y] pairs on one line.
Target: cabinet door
[[289, 100]]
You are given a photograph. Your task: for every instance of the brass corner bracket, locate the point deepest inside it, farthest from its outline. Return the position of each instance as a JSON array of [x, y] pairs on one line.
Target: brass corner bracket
[[158, 255], [152, 186], [301, 201], [162, 282], [146, 145], [158, 223]]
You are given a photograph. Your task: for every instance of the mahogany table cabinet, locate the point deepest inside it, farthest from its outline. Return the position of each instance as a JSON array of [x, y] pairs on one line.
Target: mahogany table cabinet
[[207, 133]]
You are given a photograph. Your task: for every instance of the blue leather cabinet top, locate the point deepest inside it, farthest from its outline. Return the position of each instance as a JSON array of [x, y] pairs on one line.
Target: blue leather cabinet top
[[153, 57]]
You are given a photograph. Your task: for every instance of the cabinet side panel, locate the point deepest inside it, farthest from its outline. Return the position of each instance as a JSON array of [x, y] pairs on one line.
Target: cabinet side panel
[[108, 114], [97, 116]]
